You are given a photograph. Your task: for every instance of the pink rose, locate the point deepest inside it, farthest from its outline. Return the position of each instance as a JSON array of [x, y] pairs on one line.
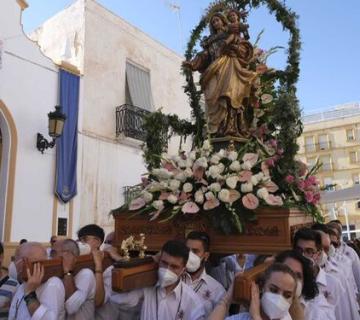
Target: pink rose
[[274, 200], [137, 204], [190, 207], [289, 179], [211, 204], [250, 201], [245, 176], [312, 180]]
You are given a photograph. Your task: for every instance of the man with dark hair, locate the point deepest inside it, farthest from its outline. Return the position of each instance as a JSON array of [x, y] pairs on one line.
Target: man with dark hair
[[170, 298], [93, 235], [79, 287], [206, 287], [309, 243]]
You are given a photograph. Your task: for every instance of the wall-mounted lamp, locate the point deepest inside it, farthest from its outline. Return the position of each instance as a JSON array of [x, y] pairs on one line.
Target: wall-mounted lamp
[[56, 126]]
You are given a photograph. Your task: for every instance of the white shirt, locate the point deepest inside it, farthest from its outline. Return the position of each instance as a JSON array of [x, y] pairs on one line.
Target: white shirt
[[246, 316], [207, 289], [51, 296], [318, 309], [81, 304], [181, 303], [353, 256], [348, 306]]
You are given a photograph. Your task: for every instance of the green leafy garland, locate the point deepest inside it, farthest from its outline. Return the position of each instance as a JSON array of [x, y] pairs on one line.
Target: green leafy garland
[[286, 113]]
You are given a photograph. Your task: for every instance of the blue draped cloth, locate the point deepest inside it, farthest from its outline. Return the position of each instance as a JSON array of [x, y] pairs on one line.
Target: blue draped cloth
[[66, 145]]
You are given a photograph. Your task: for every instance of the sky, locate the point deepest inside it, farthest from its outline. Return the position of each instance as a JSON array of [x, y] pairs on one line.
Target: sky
[[330, 35]]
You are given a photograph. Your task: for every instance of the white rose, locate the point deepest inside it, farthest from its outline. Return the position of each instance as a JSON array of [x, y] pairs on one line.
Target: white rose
[[187, 187], [192, 155], [214, 171], [158, 204], [162, 173], [221, 167], [215, 187], [232, 182], [188, 173], [181, 176], [172, 198], [224, 195], [199, 197], [164, 184], [235, 166], [189, 163], [246, 165], [202, 162], [254, 180], [206, 145], [246, 187], [209, 195], [174, 185], [154, 186], [262, 193], [215, 159], [147, 196], [233, 155], [221, 153], [182, 163]]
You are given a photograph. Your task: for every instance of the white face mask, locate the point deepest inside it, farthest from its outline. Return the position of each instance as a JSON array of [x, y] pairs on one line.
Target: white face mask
[[84, 248], [274, 305], [194, 262], [322, 259], [105, 246], [166, 277], [12, 271], [332, 251], [299, 287]]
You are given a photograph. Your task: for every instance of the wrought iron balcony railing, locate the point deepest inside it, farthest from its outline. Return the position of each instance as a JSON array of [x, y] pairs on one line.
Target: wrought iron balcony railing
[[129, 122], [131, 192]]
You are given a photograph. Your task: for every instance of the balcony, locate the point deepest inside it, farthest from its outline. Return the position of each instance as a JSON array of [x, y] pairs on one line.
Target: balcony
[[129, 122], [131, 192]]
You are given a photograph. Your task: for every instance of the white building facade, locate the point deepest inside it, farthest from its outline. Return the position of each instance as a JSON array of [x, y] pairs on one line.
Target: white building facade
[[120, 65]]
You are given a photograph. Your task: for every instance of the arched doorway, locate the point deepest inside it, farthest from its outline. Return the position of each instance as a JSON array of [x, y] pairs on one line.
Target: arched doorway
[[8, 147]]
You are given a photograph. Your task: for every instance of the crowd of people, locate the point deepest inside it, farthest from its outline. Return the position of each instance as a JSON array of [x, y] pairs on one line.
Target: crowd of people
[[318, 279]]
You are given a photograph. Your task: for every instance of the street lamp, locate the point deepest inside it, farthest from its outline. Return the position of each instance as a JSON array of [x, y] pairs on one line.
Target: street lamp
[[56, 126]]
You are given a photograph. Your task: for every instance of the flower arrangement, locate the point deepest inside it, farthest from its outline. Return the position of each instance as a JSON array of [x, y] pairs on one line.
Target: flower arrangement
[[230, 184]]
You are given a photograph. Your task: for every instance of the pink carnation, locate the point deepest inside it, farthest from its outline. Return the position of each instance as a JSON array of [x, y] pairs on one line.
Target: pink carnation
[[309, 196], [312, 180], [289, 179], [301, 184]]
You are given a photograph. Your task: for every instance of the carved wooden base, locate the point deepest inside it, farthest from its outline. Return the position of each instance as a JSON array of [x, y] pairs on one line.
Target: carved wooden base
[[271, 233]]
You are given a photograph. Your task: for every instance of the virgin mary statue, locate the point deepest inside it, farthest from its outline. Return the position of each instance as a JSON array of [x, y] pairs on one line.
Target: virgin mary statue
[[225, 78]]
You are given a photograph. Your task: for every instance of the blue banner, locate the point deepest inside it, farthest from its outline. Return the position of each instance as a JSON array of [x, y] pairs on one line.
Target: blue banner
[[66, 145]]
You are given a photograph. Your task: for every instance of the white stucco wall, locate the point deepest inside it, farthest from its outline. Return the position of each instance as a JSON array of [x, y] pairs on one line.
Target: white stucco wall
[[28, 87], [107, 41]]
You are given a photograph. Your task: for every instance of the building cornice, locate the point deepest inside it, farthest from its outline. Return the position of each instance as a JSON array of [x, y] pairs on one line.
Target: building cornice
[[67, 66]]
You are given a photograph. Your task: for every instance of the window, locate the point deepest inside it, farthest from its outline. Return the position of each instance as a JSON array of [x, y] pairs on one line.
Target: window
[[329, 184], [310, 162], [356, 178], [138, 87], [350, 135], [324, 142], [353, 156], [309, 144], [326, 163]]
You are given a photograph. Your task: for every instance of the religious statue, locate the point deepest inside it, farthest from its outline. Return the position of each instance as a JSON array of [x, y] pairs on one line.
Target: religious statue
[[226, 79]]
